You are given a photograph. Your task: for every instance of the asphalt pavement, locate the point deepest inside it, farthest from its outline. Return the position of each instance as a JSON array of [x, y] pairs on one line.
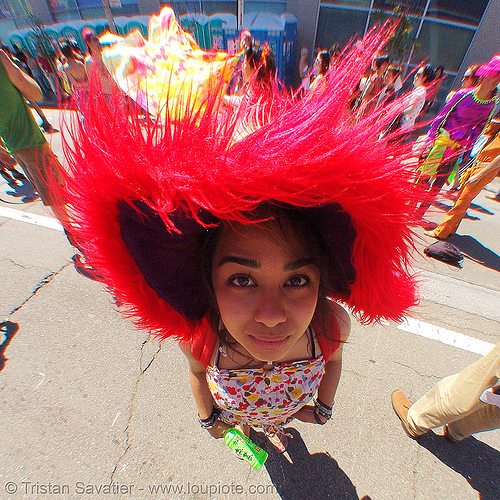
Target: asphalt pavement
[[94, 409]]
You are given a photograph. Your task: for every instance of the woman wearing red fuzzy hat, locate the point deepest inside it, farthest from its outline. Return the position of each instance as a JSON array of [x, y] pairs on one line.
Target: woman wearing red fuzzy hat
[[240, 245]]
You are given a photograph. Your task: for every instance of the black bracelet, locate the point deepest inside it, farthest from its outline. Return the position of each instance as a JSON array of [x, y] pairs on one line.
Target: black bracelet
[[208, 423], [321, 410]]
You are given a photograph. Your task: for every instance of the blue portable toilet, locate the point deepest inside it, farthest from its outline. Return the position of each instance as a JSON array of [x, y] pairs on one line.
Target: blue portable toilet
[[68, 32], [197, 25], [216, 25], [229, 33], [22, 43], [289, 41], [133, 25]]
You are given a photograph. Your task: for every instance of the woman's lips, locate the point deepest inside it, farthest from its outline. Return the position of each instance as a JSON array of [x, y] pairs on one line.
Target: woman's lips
[[269, 345]]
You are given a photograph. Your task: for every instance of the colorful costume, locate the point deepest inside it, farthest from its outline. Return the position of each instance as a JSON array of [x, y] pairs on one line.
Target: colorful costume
[[265, 398], [143, 201], [467, 193], [456, 127], [167, 69]]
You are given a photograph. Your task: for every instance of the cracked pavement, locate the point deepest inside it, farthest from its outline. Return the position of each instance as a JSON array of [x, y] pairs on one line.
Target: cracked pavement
[[87, 399]]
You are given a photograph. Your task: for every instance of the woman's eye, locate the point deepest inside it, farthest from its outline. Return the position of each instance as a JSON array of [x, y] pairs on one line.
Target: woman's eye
[[241, 281], [298, 281]]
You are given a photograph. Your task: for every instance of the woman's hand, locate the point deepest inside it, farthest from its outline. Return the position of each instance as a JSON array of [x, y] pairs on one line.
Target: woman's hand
[[473, 180], [306, 414], [218, 429], [477, 176]]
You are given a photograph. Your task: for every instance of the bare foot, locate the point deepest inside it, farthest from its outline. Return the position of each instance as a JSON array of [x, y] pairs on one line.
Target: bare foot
[[494, 197], [279, 440], [433, 234]]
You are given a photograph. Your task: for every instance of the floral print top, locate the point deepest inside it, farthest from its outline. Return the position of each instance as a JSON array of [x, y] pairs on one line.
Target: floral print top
[[265, 398]]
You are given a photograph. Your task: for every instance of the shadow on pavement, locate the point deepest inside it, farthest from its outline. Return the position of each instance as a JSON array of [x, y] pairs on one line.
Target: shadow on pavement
[[473, 249], [7, 330], [473, 206], [22, 190], [308, 476], [479, 208], [475, 461]]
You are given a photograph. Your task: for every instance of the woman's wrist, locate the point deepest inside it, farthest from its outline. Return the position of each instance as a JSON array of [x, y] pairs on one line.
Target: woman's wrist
[[210, 421], [322, 412]]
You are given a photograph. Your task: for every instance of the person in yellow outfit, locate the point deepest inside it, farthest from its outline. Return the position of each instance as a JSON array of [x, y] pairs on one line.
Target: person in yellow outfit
[[482, 172]]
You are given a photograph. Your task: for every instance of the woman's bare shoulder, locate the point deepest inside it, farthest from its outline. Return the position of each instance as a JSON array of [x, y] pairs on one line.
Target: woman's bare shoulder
[[194, 364]]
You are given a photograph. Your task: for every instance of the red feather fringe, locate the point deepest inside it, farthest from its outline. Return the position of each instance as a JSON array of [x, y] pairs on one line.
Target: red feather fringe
[[303, 152]]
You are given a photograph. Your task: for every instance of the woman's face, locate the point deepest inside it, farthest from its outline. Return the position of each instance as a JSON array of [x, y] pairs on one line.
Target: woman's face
[[266, 290], [419, 78], [490, 82], [319, 63], [247, 71]]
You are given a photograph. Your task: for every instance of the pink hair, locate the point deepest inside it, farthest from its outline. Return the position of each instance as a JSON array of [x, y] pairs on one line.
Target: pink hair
[[305, 152], [491, 68]]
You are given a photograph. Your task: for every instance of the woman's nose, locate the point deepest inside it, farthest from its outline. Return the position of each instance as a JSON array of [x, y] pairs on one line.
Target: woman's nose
[[270, 310]]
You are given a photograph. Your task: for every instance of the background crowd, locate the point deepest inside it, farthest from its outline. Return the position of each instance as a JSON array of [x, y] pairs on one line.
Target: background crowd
[[459, 132]]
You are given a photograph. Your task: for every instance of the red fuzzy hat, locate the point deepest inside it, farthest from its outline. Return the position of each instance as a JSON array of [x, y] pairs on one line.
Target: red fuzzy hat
[[143, 197]]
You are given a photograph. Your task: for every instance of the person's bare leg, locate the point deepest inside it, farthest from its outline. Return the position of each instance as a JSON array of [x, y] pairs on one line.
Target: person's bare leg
[[46, 125]]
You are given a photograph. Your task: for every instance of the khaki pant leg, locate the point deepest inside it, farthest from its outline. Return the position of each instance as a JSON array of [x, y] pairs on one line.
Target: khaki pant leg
[[485, 418], [42, 168], [455, 396]]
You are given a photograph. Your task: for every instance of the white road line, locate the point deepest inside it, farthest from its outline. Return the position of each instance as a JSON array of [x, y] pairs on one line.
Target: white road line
[[448, 337], [37, 220], [427, 330]]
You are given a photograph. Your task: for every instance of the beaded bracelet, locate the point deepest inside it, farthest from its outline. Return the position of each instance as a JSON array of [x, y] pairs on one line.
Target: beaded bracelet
[[321, 410], [208, 423]]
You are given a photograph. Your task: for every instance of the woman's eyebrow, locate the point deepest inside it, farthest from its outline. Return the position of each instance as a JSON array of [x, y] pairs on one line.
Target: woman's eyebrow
[[297, 264], [242, 261], [245, 261]]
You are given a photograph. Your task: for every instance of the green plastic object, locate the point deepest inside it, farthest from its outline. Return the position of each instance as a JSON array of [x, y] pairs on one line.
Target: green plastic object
[[245, 448]]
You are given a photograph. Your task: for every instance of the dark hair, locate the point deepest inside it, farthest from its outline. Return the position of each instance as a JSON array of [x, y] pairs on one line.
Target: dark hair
[[440, 70], [286, 223], [67, 50], [428, 73], [473, 70], [324, 56], [335, 50], [262, 61], [381, 60], [395, 70]]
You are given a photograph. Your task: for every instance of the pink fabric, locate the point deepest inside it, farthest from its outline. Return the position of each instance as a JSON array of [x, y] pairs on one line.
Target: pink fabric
[[463, 117], [492, 67]]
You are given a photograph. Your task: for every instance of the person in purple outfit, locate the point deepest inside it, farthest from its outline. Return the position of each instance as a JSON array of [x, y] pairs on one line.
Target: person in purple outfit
[[456, 128]]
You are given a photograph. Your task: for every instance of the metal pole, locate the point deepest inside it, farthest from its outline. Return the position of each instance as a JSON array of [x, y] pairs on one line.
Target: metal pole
[[241, 5], [368, 18], [417, 35], [109, 16]]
